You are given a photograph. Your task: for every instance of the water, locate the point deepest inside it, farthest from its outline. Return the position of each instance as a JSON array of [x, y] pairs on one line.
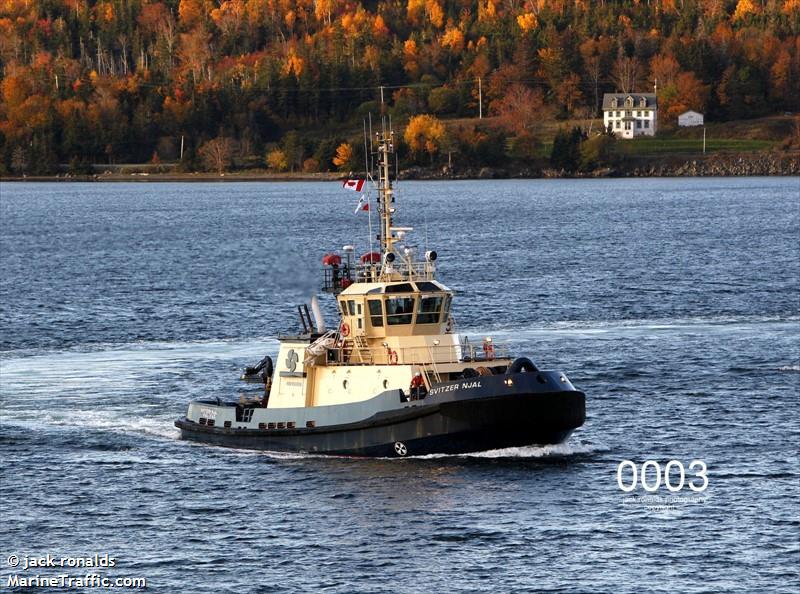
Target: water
[[672, 303]]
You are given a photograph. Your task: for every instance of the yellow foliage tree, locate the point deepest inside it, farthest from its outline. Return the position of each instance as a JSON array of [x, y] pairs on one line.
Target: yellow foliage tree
[[527, 22], [344, 157], [379, 28], [294, 65], [744, 8], [435, 13], [415, 10], [453, 39], [276, 160], [424, 133]]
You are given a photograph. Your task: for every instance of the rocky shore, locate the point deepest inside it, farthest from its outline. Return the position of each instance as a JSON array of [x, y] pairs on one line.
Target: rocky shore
[[720, 165]]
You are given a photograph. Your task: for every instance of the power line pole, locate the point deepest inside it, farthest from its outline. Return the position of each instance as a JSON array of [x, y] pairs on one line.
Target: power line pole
[[480, 99]]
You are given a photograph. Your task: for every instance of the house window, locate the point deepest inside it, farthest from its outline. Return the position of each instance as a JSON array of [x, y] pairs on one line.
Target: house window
[[616, 114], [638, 123], [643, 102], [647, 123], [627, 125], [629, 102], [614, 102], [617, 125]]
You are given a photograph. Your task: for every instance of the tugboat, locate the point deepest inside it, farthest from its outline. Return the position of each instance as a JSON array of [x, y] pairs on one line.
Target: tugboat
[[394, 378]]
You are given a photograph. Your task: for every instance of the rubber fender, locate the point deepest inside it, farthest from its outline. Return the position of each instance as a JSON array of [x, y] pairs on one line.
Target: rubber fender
[[469, 372], [266, 373], [522, 364], [258, 367]]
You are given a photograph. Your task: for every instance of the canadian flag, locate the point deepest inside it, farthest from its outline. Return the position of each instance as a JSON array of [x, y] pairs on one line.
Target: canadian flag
[[353, 184], [363, 204]]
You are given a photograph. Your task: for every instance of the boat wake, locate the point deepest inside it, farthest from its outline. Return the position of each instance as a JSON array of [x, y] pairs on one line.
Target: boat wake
[[102, 421], [548, 451]]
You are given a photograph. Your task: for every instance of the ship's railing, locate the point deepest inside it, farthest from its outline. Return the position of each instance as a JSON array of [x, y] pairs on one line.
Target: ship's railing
[[352, 354], [337, 278]]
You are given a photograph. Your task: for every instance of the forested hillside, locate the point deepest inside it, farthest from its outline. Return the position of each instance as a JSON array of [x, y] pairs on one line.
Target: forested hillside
[[285, 84]]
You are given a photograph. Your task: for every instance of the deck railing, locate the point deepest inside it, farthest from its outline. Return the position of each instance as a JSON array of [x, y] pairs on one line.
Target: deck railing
[[337, 278], [352, 354]]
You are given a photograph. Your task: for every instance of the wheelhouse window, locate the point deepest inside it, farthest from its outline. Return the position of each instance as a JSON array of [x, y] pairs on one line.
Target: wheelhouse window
[[400, 288], [399, 310], [351, 305], [428, 310], [427, 286], [375, 312]]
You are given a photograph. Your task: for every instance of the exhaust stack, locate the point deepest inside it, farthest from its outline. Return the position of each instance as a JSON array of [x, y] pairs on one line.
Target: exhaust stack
[[319, 321]]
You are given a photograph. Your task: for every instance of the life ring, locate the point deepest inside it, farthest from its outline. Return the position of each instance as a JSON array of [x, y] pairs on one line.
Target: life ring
[[344, 329], [392, 357], [448, 328]]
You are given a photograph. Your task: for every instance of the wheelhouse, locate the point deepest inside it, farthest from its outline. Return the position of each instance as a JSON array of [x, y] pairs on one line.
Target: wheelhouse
[[405, 308]]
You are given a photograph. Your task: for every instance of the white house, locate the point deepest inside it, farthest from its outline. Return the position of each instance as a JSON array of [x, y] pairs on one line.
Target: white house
[[690, 118], [630, 114]]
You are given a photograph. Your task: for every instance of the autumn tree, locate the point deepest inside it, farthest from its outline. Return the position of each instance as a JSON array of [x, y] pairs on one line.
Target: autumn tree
[[626, 72], [596, 55], [217, 153], [569, 92], [424, 133], [344, 157], [276, 161], [522, 110]]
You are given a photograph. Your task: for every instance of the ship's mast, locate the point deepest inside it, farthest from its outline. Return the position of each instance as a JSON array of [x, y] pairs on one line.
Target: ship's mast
[[385, 193]]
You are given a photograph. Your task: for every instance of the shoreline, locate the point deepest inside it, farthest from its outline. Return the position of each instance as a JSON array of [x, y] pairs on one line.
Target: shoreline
[[770, 164]]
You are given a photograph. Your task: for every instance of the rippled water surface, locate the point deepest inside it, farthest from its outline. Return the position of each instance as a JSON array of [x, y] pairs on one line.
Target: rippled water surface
[[672, 303]]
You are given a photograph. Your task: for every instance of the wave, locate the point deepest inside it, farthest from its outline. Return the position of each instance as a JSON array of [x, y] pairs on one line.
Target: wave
[[592, 327], [795, 368], [524, 452], [191, 347], [102, 420], [547, 451]]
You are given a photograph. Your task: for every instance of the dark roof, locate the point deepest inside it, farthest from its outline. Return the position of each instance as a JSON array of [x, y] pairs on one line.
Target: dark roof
[[650, 98]]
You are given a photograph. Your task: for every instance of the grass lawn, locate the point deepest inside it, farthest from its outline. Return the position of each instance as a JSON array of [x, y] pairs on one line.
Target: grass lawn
[[657, 146]]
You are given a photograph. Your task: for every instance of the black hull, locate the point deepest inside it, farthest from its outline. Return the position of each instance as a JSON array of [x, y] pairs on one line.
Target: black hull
[[475, 422]]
